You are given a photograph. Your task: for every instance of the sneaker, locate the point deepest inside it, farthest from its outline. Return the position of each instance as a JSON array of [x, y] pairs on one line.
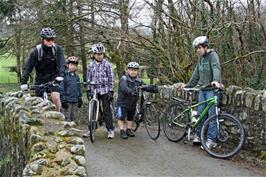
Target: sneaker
[[123, 134], [196, 140], [130, 133], [87, 134], [210, 144], [111, 134]]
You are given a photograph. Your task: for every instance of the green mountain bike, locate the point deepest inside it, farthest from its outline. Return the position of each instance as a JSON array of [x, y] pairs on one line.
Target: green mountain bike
[[181, 119]]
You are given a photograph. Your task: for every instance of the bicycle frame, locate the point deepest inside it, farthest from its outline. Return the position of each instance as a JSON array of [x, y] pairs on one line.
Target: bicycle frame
[[211, 102], [141, 107]]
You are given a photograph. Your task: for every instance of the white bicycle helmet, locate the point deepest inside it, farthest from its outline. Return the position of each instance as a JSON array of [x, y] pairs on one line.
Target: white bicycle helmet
[[201, 40], [98, 48], [133, 64]]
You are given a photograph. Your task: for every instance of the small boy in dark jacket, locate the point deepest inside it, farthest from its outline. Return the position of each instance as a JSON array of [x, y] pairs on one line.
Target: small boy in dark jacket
[[128, 97], [70, 92]]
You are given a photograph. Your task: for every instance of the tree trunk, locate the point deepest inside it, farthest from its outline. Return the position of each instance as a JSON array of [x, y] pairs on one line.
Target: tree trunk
[[82, 43]]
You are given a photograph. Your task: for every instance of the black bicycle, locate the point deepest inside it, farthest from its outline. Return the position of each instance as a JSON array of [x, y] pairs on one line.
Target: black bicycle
[[147, 113], [45, 87]]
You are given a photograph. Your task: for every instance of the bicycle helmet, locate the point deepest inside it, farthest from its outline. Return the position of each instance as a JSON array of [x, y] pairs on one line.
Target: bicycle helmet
[[201, 41], [48, 33], [133, 65], [72, 59], [98, 48]]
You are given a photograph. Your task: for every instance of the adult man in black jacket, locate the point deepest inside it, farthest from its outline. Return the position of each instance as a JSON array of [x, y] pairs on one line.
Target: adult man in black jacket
[[48, 60]]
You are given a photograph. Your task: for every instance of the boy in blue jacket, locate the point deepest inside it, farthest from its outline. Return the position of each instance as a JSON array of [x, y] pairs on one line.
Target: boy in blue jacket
[[70, 92]]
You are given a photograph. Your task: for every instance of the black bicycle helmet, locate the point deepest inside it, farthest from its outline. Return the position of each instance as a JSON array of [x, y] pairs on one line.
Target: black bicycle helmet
[[48, 33]]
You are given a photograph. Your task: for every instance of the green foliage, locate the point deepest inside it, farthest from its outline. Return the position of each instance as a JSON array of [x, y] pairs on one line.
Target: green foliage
[[256, 83], [7, 7], [6, 160], [263, 155], [7, 75]]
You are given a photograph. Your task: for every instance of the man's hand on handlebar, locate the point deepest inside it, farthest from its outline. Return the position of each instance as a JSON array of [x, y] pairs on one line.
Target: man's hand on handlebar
[[216, 84], [24, 87]]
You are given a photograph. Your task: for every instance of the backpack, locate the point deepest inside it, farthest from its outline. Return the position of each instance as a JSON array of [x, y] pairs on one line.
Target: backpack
[[40, 51]]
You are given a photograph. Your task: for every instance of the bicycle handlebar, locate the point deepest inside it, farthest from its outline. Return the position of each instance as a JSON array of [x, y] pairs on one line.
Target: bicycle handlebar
[[198, 88], [90, 83], [45, 85]]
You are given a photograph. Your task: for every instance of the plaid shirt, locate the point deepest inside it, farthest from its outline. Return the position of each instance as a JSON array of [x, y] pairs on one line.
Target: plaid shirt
[[101, 73]]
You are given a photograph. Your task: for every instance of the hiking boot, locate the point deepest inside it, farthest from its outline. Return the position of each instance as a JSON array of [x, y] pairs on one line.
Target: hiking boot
[[111, 134], [86, 135], [196, 140], [123, 134], [130, 133]]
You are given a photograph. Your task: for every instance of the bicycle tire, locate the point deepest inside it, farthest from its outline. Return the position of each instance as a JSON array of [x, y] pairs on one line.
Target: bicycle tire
[[135, 125], [152, 121], [231, 135], [92, 120], [136, 120], [173, 131]]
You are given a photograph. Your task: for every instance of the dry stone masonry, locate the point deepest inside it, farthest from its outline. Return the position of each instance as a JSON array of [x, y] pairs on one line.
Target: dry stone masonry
[[38, 140]]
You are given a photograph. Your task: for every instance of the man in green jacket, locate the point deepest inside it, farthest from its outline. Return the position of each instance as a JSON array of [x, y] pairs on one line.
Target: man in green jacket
[[206, 75]]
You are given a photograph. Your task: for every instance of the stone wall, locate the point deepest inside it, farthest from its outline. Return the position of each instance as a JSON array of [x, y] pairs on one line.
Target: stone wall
[[37, 141], [246, 104]]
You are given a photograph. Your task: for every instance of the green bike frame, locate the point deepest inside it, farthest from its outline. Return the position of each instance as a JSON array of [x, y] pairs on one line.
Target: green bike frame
[[211, 102]]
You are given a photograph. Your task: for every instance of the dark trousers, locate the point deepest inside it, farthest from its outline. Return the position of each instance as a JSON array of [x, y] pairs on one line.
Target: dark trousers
[[107, 111]]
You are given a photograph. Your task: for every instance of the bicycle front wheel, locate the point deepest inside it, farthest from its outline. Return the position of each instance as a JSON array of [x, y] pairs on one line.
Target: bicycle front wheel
[[135, 125], [230, 136], [92, 120], [175, 122], [136, 121], [152, 121]]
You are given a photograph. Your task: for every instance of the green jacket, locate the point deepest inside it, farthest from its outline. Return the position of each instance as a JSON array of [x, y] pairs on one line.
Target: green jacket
[[208, 69]]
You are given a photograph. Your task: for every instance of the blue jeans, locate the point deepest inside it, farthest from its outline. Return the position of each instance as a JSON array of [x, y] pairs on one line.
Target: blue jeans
[[212, 130]]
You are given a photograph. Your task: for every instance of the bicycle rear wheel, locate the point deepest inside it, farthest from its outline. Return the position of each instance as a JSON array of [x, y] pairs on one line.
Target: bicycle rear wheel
[[230, 136], [92, 120], [152, 121], [175, 122]]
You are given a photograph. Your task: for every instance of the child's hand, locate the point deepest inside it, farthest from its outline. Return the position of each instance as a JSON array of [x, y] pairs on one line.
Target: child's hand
[[134, 93], [89, 95], [80, 103], [64, 105], [110, 95]]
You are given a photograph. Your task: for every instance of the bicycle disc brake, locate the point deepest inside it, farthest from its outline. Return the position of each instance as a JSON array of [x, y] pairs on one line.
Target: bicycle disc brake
[[223, 136]]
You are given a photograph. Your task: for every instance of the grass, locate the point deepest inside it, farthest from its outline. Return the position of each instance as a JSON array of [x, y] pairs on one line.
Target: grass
[[6, 76]]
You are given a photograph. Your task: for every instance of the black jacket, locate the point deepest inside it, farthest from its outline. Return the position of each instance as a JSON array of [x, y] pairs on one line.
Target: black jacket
[[48, 68], [126, 91]]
